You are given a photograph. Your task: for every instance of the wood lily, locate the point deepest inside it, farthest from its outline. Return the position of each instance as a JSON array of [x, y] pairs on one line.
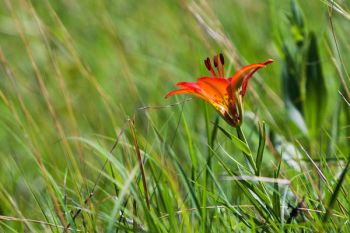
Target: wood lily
[[224, 94]]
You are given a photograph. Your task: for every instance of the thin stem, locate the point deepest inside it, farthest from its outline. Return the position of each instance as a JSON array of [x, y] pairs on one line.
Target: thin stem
[[139, 157], [249, 156]]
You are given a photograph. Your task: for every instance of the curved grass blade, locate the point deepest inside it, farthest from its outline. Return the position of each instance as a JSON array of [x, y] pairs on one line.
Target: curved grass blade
[[259, 156], [276, 193], [238, 142], [337, 188]]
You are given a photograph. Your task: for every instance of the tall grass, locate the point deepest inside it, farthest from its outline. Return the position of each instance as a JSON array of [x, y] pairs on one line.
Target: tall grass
[[88, 142]]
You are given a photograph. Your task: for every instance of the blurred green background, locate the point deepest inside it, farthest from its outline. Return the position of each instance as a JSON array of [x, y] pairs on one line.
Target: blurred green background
[[78, 70]]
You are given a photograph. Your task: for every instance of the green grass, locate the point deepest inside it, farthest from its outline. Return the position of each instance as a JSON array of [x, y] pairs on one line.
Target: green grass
[[82, 86]]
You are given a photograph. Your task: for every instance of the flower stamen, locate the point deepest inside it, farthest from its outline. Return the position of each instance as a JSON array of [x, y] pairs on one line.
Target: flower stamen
[[222, 60], [216, 64], [207, 63]]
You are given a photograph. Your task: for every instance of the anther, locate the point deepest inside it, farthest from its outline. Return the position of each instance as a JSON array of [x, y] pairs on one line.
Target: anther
[[207, 63], [216, 61], [217, 65], [222, 60], [221, 65]]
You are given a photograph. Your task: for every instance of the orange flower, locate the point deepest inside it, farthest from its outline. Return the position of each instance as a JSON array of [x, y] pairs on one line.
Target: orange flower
[[224, 94]]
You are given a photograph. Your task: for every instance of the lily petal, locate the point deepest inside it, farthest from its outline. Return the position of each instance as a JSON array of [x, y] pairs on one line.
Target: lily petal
[[214, 88], [180, 91], [246, 79], [213, 85], [189, 88], [241, 77]]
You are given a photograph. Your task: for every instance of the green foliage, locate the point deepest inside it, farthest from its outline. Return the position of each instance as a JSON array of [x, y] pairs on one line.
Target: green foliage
[[315, 90], [305, 92], [336, 191], [260, 153], [73, 74]]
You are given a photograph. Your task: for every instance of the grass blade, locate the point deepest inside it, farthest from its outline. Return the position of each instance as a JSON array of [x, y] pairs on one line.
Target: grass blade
[[238, 142], [337, 188], [259, 156]]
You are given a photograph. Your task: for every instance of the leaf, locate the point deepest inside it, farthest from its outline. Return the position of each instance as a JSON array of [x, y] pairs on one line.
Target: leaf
[[292, 90], [239, 143], [262, 139], [291, 80], [315, 89], [276, 193]]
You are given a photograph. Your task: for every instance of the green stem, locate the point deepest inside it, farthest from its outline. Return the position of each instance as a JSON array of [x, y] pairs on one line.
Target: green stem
[[249, 156]]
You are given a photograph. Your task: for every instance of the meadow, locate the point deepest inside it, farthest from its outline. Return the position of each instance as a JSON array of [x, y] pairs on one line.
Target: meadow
[[89, 143]]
